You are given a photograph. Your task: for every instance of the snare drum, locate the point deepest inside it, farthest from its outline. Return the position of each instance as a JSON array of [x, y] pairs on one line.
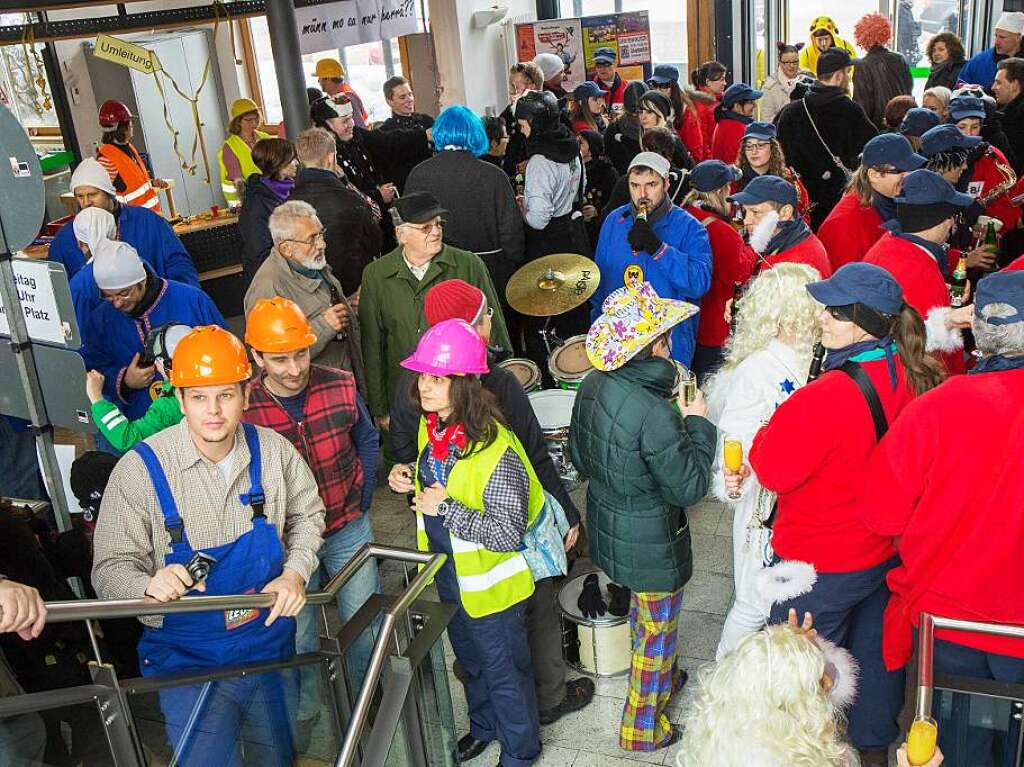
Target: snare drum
[[569, 364], [596, 646], [553, 408], [525, 371]]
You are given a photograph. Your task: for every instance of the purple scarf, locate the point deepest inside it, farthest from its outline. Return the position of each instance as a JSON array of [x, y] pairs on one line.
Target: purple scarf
[[280, 187]]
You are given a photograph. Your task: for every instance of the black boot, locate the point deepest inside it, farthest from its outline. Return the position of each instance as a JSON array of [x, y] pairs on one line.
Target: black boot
[[470, 747], [578, 693]]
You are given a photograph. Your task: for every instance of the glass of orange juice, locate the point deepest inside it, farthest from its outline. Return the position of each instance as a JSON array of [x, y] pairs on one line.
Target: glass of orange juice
[[921, 740], [732, 458]]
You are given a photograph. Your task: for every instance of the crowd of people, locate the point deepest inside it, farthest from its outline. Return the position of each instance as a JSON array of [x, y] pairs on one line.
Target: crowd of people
[[841, 268]]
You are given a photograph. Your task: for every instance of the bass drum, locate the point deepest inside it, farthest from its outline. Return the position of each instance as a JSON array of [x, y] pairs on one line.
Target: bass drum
[[553, 408], [525, 371], [596, 646], [569, 364]]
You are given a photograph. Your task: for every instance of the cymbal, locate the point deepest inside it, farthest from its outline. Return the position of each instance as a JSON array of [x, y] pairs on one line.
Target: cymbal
[[552, 285]]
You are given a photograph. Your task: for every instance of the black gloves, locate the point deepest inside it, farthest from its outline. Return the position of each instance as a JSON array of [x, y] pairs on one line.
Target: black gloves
[[591, 603], [642, 237], [618, 604]]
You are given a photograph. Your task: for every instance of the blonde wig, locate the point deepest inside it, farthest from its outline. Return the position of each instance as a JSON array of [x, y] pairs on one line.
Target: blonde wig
[[775, 304], [767, 704]]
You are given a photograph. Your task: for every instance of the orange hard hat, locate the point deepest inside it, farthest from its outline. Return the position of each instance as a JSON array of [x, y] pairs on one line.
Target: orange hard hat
[[278, 325], [209, 356]]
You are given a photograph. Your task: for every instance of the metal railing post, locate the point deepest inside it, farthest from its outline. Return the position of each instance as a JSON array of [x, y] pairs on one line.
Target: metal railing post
[[116, 717]]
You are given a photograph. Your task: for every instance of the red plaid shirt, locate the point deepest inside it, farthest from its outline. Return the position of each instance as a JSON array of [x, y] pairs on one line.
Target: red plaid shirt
[[323, 437]]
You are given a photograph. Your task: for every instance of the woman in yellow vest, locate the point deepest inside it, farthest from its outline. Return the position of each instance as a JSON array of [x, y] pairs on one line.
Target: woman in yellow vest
[[235, 156], [476, 494], [129, 173]]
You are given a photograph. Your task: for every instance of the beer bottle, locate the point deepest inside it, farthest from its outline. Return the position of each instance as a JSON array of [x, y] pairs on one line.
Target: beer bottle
[[817, 357], [737, 294], [641, 213], [958, 286], [991, 241]]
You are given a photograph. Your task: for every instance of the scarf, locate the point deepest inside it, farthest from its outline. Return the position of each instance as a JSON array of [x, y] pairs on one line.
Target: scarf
[[788, 234], [280, 187], [149, 296], [939, 252], [659, 210], [441, 437], [865, 351], [313, 274], [728, 114], [884, 206], [558, 145], [994, 363]]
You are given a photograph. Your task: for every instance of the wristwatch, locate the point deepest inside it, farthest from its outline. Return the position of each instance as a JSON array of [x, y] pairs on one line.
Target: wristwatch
[[443, 507]]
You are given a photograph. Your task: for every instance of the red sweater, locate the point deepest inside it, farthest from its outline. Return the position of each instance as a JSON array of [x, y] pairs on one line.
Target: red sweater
[[809, 251], [1016, 264], [732, 261], [915, 270], [924, 480], [706, 117], [849, 230], [813, 453], [986, 177], [690, 133], [725, 144]]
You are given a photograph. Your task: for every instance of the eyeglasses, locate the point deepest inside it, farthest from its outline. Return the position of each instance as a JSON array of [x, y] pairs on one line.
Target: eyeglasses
[[428, 228], [786, 62], [758, 145], [838, 313], [320, 236], [121, 295]]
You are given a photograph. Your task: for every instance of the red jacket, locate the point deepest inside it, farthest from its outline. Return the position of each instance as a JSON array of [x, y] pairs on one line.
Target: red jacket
[[690, 133], [725, 144], [706, 117], [915, 270], [849, 230], [813, 453], [1016, 264], [732, 261], [323, 437], [612, 94], [986, 177], [952, 498], [809, 251]]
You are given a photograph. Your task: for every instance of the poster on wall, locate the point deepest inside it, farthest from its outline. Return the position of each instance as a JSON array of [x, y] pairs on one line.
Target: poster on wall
[[351, 22], [628, 34]]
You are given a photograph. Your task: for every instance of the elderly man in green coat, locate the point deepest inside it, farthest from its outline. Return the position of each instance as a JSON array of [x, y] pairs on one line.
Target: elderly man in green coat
[[646, 461], [394, 286]]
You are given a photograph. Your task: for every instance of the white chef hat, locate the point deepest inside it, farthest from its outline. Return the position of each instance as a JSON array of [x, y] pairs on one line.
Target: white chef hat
[[90, 173], [93, 225], [116, 265], [1011, 21]]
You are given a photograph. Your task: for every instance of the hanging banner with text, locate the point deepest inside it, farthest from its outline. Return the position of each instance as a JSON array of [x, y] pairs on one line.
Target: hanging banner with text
[[351, 22], [125, 53]]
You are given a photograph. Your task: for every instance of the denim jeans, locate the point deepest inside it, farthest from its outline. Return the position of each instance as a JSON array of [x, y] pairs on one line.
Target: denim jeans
[[339, 547]]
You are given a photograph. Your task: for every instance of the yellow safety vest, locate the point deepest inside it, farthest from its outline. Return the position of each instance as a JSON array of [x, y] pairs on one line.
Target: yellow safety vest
[[244, 155], [489, 581]]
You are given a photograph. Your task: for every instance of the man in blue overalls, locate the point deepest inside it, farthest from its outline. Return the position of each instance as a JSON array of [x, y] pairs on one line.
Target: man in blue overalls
[[242, 502]]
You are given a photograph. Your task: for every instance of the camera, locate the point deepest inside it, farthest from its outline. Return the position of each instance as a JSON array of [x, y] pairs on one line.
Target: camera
[[199, 566]]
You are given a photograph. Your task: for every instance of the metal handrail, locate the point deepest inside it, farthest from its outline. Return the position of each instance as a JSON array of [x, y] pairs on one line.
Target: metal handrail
[[926, 644], [101, 609]]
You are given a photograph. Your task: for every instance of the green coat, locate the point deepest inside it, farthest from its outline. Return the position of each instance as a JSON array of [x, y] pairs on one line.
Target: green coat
[[645, 465], [391, 313]]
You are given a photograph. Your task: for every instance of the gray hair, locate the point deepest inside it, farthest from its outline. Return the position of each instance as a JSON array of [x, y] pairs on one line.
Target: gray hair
[[998, 339], [284, 221]]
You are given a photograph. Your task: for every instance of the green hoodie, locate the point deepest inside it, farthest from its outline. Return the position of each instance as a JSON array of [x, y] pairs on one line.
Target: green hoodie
[[122, 433]]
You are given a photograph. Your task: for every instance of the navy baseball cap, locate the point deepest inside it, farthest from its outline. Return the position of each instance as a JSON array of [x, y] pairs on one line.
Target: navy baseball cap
[[760, 130], [925, 187], [713, 174], [1001, 288], [587, 89], [859, 283], [767, 189], [664, 74], [918, 120], [604, 56], [739, 92], [891, 149], [966, 106], [942, 138], [833, 59]]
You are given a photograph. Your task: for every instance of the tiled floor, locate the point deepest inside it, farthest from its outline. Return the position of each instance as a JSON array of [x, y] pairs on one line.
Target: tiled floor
[[589, 738]]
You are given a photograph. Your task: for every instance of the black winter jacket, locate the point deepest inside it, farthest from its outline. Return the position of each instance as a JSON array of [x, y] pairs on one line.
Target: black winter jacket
[[398, 171], [1012, 118], [879, 76], [645, 465], [253, 225], [353, 234], [514, 404], [945, 74], [845, 129]]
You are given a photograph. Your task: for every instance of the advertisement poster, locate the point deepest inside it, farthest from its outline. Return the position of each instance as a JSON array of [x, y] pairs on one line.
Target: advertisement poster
[[562, 37], [526, 50], [599, 32]]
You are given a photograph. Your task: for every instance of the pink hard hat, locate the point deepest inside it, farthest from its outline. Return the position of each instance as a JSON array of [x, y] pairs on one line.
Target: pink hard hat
[[451, 347]]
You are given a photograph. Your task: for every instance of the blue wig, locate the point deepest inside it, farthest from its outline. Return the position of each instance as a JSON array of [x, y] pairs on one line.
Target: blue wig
[[458, 127]]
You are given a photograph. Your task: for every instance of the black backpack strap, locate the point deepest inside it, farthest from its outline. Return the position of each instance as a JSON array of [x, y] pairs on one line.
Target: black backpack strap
[[856, 372]]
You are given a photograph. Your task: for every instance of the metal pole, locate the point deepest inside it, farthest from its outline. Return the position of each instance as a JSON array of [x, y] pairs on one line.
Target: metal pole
[[925, 680], [291, 80], [389, 57]]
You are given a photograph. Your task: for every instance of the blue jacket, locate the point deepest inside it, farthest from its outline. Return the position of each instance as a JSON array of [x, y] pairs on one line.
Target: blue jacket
[[145, 231], [112, 338], [681, 269], [980, 69]]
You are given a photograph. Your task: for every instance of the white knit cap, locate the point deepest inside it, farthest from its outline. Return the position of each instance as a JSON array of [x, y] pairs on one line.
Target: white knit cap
[[550, 64], [1011, 21], [116, 265], [90, 173], [93, 225]]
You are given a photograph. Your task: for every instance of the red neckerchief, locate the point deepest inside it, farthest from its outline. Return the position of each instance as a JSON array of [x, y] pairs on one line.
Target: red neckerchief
[[441, 441]]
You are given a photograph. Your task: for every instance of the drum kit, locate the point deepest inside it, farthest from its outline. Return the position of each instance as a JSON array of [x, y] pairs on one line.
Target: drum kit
[[547, 287]]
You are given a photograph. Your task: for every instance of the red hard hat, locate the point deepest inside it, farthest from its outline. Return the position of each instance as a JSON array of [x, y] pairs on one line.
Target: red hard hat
[[113, 113]]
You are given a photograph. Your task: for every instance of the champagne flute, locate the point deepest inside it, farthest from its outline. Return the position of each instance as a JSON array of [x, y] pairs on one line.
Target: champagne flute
[[732, 458]]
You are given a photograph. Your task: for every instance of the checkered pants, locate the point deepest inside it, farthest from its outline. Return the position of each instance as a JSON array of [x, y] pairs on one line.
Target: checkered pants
[[653, 677]]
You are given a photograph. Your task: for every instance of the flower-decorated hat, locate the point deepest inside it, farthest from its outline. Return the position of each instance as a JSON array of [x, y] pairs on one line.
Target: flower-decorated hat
[[631, 318]]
